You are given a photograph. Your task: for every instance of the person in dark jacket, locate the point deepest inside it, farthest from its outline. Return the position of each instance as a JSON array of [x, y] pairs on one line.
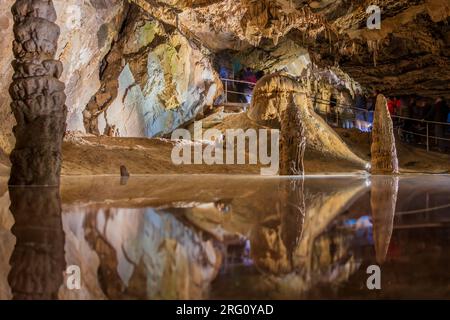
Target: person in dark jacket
[[439, 113]]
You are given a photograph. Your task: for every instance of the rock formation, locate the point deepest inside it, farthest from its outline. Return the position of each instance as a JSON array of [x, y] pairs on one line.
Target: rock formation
[[272, 97], [87, 30], [154, 80], [383, 201], [275, 239], [124, 172], [38, 96], [37, 263], [384, 150], [292, 142], [407, 56]]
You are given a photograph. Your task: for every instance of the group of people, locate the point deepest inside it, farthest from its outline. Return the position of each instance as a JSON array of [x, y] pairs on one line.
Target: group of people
[[246, 79], [409, 115], [361, 116]]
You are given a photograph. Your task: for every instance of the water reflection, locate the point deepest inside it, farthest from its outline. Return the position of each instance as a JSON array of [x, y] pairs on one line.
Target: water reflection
[[383, 200], [37, 262], [221, 237]]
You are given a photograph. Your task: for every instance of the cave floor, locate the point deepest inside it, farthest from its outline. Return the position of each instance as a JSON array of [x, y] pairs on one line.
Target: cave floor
[[232, 237], [104, 155]]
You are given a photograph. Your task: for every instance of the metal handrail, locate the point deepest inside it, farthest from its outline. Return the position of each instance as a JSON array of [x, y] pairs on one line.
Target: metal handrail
[[238, 81], [427, 135], [338, 105], [393, 116], [227, 91]]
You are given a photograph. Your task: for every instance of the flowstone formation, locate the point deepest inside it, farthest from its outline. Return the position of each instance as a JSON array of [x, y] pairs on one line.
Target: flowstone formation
[[38, 96], [282, 102], [384, 151]]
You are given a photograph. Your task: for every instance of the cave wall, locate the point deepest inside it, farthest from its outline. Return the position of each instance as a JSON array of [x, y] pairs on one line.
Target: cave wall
[[155, 80], [87, 31]]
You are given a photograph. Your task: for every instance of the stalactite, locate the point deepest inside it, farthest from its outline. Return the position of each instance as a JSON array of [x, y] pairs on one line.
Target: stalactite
[[38, 96], [384, 150]]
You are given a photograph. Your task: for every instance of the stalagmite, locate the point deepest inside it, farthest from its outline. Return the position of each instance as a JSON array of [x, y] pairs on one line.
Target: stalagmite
[[38, 96], [384, 151], [282, 102], [37, 263], [383, 201], [293, 142]]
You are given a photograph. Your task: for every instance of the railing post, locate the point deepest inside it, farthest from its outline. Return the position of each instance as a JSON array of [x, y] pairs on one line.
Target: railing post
[[337, 116], [226, 91], [428, 138]]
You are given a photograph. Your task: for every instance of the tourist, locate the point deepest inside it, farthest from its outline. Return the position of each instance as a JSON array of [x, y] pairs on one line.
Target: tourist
[[439, 113], [393, 106], [405, 125], [347, 118], [250, 77], [260, 74], [361, 114]]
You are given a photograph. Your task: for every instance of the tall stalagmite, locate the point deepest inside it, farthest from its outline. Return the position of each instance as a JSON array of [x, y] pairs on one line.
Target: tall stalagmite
[[38, 96], [384, 151], [293, 141]]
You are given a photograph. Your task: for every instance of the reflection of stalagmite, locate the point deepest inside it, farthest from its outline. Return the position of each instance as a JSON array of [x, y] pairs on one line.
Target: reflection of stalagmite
[[384, 151], [38, 96], [383, 201], [292, 211], [274, 241], [274, 98], [37, 263], [293, 141]]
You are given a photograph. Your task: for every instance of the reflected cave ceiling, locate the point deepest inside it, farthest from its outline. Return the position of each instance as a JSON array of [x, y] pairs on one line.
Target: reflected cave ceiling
[[409, 55]]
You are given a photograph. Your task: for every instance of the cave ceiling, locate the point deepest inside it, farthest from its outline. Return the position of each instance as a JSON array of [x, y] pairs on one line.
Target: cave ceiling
[[410, 54]]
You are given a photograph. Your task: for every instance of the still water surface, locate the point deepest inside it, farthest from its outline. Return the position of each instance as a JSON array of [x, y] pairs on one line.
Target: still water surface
[[221, 237]]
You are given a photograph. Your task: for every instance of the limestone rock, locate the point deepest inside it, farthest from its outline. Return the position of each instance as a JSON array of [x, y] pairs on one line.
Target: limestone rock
[[272, 96], [87, 29], [38, 96], [384, 150], [292, 142], [156, 79]]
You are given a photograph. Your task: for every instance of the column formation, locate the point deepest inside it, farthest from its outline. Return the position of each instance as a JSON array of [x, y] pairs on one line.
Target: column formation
[[38, 96]]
